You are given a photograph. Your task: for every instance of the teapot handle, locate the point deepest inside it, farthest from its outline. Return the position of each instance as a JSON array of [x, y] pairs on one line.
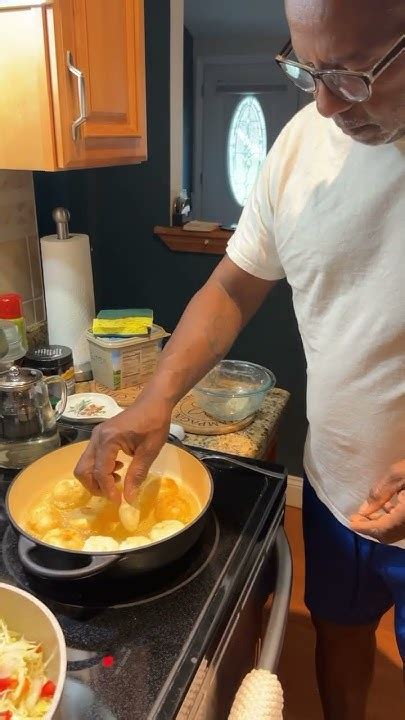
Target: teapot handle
[[53, 380]]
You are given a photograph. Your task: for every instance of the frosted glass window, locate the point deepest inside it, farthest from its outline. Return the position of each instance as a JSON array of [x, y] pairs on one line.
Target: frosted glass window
[[247, 147]]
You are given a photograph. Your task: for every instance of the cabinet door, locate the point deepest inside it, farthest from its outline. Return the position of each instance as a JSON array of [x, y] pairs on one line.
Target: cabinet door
[[103, 40], [26, 113]]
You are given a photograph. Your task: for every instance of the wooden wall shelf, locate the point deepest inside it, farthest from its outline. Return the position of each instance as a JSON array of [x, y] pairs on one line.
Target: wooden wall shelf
[[179, 240]]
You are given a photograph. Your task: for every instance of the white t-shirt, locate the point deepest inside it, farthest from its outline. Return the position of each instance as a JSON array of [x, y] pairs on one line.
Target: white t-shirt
[[328, 214]]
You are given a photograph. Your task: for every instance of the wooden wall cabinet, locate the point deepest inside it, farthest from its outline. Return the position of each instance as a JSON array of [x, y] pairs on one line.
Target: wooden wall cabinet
[[72, 83]]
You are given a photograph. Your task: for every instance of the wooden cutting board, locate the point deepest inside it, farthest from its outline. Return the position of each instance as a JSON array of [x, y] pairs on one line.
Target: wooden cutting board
[[186, 413]]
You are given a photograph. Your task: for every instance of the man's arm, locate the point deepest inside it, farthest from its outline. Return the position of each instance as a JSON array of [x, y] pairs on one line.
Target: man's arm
[[209, 326]]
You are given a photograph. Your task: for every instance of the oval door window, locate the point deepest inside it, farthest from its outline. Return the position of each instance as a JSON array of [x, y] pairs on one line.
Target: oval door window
[[247, 147]]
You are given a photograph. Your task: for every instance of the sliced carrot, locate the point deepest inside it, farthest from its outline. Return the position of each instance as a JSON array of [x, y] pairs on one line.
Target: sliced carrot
[[48, 689], [26, 687], [8, 684]]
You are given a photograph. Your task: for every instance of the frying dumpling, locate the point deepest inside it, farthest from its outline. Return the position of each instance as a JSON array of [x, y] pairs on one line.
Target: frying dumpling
[[100, 543], [63, 538], [69, 494], [43, 518], [82, 521], [134, 542], [164, 529], [129, 516], [96, 503]]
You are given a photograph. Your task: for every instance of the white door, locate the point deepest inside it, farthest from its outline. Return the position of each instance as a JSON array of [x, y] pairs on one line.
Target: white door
[[245, 106]]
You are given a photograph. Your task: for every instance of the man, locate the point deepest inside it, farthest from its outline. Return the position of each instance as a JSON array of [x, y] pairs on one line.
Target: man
[[327, 212]]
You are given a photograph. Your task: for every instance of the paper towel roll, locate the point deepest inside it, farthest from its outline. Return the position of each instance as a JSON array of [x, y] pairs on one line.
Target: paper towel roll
[[69, 293]]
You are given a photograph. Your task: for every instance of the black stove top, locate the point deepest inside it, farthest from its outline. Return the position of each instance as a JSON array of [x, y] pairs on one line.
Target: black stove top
[[134, 645]]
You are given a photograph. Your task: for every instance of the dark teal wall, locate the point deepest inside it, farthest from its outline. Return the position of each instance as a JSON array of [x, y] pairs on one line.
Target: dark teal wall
[[118, 208], [188, 112]]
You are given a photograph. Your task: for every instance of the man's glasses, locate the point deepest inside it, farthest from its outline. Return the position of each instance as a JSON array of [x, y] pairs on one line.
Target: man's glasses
[[345, 84]]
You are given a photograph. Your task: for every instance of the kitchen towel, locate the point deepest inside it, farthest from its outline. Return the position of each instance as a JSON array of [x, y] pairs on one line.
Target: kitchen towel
[[69, 294]]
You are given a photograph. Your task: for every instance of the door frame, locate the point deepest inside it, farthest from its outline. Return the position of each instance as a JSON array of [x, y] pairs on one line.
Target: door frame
[[176, 99], [200, 65]]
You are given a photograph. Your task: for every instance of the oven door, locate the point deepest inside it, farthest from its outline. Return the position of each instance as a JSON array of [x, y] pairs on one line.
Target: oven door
[[247, 642]]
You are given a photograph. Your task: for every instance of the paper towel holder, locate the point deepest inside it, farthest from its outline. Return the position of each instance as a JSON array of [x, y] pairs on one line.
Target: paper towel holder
[[61, 217]]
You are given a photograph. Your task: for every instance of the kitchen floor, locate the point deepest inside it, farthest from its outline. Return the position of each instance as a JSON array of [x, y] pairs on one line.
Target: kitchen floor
[[296, 671]]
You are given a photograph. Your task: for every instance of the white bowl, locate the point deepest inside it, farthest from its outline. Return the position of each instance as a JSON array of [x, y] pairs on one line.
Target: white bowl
[[26, 615]]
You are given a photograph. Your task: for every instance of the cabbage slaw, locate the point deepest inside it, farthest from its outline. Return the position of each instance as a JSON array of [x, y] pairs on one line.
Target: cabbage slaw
[[25, 690]]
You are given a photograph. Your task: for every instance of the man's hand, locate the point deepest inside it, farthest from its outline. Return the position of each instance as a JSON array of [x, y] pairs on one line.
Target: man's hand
[[140, 432], [382, 516]]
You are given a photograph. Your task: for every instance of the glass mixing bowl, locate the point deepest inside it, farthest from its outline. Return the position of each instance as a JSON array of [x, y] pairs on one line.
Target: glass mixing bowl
[[233, 390]]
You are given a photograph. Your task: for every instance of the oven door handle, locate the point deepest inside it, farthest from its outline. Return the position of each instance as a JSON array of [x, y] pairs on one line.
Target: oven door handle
[[273, 638]]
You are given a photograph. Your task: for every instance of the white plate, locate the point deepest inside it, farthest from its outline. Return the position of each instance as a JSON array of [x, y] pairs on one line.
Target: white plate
[[77, 404]]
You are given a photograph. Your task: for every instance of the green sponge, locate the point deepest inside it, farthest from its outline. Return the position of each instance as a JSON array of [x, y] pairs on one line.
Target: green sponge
[[117, 314]]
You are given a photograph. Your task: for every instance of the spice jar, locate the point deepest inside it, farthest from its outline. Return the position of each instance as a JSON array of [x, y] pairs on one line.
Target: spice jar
[[53, 360], [11, 309]]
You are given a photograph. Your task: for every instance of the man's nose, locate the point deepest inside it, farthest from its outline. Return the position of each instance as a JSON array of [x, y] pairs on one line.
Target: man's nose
[[329, 104]]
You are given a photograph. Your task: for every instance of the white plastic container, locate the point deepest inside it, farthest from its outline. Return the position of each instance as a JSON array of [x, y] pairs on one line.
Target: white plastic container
[[122, 363]]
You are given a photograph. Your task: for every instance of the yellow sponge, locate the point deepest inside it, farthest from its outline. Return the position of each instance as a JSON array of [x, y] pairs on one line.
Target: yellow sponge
[[123, 323]]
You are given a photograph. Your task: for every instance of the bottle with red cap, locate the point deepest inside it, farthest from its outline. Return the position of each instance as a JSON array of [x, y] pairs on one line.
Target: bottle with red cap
[[11, 309]]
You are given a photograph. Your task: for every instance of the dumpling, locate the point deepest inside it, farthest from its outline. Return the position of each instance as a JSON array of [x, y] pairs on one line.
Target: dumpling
[[81, 521], [100, 543], [164, 529], [129, 516], [96, 504], [63, 538], [69, 494], [43, 518], [134, 542]]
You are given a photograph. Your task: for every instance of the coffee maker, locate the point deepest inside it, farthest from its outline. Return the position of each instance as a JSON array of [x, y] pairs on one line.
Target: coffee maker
[[27, 419]]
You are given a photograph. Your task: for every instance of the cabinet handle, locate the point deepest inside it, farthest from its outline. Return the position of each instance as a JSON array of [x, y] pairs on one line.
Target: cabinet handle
[[81, 89]]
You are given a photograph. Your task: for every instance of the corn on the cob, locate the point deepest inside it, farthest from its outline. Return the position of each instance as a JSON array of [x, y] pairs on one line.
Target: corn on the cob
[[260, 697]]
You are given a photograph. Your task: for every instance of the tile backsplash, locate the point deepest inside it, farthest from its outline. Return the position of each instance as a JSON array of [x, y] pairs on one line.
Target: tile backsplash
[[20, 263]]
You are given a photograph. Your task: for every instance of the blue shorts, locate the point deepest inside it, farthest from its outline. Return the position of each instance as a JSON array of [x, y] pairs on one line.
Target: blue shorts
[[350, 580]]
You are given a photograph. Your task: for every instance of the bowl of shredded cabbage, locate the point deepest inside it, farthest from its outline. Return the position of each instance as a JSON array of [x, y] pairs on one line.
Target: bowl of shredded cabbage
[[32, 657]]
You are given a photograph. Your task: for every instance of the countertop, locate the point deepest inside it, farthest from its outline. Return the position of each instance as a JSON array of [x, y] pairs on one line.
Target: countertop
[[253, 441]]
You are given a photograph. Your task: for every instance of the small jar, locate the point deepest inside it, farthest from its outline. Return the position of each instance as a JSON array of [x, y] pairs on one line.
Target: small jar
[[53, 360], [11, 309]]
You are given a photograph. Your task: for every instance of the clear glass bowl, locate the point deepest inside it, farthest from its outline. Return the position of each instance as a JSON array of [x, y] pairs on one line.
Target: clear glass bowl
[[233, 390]]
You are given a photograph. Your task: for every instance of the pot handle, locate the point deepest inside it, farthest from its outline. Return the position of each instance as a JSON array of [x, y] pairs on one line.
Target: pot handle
[[96, 564], [204, 457], [56, 380], [201, 455], [174, 440]]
